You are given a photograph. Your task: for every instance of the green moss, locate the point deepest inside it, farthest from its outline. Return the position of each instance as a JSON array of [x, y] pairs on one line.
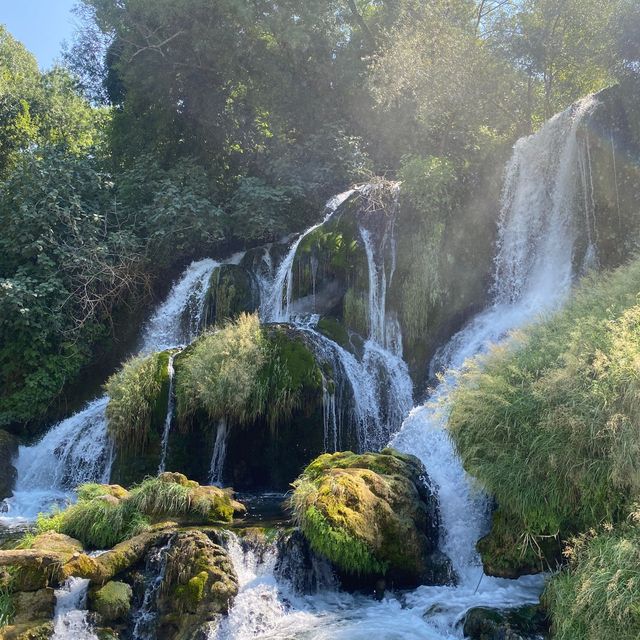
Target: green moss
[[103, 520], [355, 310], [548, 424], [596, 597], [243, 373], [334, 330], [368, 514], [231, 293], [191, 594], [138, 397], [113, 601]]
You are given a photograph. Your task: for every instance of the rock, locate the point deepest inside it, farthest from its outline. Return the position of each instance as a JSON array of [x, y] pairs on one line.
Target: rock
[[199, 584], [8, 451], [41, 564], [32, 606], [372, 516], [112, 602], [40, 630], [524, 623]]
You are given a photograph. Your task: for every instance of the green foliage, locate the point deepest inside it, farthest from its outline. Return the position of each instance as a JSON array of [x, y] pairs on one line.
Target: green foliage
[[138, 396], [428, 183], [364, 512], [240, 373], [596, 596], [6, 607], [548, 423], [101, 520]]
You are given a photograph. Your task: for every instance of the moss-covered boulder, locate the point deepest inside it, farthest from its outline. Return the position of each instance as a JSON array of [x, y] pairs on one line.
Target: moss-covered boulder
[[523, 623], [506, 553], [263, 387], [112, 601], [8, 451], [199, 584], [101, 520], [371, 515], [40, 630], [33, 606]]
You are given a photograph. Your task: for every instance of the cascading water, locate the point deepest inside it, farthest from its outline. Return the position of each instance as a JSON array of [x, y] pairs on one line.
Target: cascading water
[[541, 209], [219, 453], [70, 619], [169, 417], [78, 449]]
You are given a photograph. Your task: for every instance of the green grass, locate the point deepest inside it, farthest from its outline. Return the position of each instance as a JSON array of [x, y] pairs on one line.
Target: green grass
[[138, 396], [597, 597], [244, 372], [6, 607], [100, 521], [549, 424]]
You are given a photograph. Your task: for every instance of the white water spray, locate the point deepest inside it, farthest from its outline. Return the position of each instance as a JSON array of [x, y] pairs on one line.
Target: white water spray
[[70, 619]]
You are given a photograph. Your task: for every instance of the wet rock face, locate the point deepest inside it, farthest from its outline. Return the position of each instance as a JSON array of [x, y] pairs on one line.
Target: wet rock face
[[373, 516], [199, 584], [8, 451], [524, 623]]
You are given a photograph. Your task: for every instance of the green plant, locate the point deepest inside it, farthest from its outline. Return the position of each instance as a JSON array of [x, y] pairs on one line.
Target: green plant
[[6, 607], [138, 396], [548, 423], [596, 597]]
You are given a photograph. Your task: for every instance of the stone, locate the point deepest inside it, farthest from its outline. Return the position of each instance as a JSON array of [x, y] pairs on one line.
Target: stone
[[112, 602]]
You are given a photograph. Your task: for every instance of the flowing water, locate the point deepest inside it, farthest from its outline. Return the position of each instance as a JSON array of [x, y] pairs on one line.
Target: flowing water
[[542, 203], [169, 417], [78, 449], [71, 615]]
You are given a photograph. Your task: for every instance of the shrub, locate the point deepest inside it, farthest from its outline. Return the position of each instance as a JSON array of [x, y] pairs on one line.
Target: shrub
[[137, 400], [548, 423], [244, 372], [100, 519], [596, 597]]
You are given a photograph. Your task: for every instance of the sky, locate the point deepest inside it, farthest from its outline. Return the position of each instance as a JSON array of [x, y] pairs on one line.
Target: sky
[[41, 25]]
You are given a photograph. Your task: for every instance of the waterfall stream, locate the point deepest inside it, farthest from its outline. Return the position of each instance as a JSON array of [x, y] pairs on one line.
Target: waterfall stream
[[70, 617], [534, 271], [78, 449]]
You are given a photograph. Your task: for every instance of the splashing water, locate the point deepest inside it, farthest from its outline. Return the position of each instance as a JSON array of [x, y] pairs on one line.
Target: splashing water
[[78, 449], [70, 619]]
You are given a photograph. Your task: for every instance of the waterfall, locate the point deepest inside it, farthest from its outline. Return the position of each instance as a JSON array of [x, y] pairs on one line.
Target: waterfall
[[146, 615], [78, 449], [541, 207], [169, 418], [70, 618], [219, 453], [277, 295]]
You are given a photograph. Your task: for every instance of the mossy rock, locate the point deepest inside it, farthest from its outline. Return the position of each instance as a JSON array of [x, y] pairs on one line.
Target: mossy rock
[[524, 623], [505, 553], [232, 291], [199, 584], [8, 473], [37, 578], [371, 515], [39, 630], [112, 601], [33, 606]]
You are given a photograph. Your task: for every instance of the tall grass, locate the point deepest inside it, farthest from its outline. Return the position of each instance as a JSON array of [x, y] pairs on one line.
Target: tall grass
[[137, 400], [243, 372], [549, 423], [6, 607], [597, 597]]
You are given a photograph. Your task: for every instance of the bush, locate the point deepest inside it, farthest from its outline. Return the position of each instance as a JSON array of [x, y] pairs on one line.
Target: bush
[[106, 515], [244, 372], [548, 423], [138, 396], [596, 597]]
